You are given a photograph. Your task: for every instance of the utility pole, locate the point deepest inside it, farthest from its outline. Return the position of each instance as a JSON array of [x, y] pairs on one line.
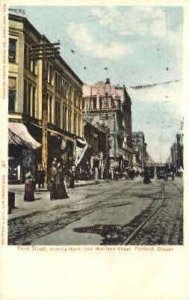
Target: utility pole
[[44, 51]]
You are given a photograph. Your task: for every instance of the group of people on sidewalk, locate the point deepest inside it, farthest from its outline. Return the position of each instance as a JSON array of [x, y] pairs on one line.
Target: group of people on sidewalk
[[58, 173], [30, 182]]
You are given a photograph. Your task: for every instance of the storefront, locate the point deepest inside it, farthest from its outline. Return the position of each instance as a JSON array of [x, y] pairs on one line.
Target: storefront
[[23, 151]]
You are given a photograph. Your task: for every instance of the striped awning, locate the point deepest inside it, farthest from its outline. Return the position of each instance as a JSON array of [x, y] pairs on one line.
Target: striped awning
[[19, 135]]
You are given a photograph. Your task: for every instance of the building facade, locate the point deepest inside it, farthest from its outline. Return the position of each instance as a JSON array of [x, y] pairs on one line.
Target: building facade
[[63, 97], [110, 106], [94, 152], [140, 155], [177, 152]]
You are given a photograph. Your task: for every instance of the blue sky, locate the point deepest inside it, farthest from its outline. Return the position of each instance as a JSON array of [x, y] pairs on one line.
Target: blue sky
[[139, 45]]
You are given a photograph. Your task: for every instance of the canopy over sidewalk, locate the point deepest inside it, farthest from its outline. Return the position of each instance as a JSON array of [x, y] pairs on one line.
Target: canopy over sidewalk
[[19, 135]]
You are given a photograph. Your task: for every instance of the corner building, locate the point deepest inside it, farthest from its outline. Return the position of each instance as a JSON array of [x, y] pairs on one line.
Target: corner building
[[109, 105], [25, 84]]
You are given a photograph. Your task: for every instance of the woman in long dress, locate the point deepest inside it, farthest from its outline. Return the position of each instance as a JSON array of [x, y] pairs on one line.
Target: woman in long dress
[[29, 190], [52, 181], [60, 183]]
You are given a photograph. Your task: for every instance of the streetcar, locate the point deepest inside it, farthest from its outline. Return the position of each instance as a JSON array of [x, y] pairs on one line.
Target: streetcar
[[160, 171]]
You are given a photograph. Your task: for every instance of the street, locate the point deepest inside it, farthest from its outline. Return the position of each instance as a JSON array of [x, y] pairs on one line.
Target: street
[[104, 214]]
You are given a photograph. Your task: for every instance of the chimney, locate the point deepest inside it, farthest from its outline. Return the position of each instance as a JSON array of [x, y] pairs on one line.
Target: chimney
[[107, 81]]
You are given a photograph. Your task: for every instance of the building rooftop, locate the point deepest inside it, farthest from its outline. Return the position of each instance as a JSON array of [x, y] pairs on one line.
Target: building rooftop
[[27, 23]]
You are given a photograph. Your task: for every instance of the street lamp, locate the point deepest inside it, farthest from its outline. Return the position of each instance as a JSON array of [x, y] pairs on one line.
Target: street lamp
[[44, 51]]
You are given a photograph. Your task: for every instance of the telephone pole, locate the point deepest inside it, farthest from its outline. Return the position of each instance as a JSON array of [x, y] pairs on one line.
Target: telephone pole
[[44, 51]]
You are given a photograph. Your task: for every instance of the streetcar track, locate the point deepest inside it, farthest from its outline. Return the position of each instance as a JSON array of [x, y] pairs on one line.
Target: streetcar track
[[142, 224], [49, 225], [146, 220], [72, 217], [178, 189]]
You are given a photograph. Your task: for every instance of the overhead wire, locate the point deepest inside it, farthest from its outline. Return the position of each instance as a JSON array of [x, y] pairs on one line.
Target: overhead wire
[[105, 66]]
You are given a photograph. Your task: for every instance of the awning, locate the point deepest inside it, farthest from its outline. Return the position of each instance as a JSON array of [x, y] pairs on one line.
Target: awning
[[81, 153], [19, 135]]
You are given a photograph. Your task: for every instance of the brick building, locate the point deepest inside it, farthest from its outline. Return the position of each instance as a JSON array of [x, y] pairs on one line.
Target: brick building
[[109, 105], [64, 99]]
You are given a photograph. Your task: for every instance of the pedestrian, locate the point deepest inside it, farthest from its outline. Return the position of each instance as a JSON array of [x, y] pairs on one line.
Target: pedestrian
[[60, 183], [52, 181], [29, 189], [116, 174], [41, 177], [146, 176], [72, 176]]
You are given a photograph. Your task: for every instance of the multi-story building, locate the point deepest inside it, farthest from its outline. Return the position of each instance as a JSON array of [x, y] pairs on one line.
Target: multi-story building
[[95, 148], [177, 152], [64, 98], [110, 105], [140, 155]]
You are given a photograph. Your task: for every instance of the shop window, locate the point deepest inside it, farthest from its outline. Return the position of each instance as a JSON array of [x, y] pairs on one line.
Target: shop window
[[12, 94], [12, 50]]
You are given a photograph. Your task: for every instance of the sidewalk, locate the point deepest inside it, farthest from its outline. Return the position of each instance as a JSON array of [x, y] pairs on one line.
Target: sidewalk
[[42, 199]]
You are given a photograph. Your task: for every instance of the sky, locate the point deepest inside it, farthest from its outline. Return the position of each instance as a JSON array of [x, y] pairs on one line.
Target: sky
[[138, 45]]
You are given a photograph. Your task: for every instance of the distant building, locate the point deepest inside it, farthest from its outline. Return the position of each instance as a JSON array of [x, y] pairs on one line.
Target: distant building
[[64, 98], [177, 152], [140, 155], [108, 105]]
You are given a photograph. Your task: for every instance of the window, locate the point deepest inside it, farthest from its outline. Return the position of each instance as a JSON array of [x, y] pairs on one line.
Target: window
[[25, 97], [49, 109], [87, 103], [64, 118], [69, 120], [104, 102], [32, 66], [26, 57], [57, 83], [57, 114], [33, 102], [78, 126], [29, 99], [94, 103], [12, 94], [12, 50], [28, 63], [50, 73], [75, 123]]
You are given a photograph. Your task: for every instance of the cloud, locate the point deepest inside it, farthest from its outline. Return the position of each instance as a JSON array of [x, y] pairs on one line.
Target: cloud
[[141, 20], [165, 93], [89, 43]]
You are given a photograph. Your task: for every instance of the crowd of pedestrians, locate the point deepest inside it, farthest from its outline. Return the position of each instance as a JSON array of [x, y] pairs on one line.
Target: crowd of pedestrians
[[61, 175]]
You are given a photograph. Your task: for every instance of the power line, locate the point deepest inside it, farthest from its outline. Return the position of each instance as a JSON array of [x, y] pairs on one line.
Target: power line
[[144, 86]]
